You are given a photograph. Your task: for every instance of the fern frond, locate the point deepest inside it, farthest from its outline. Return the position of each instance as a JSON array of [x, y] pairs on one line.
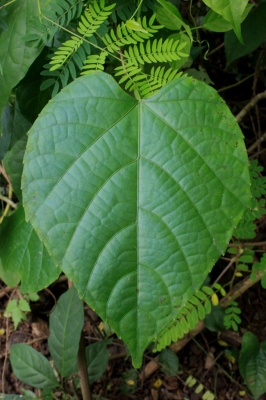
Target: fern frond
[[154, 52], [123, 35], [56, 13], [157, 79], [146, 84], [91, 21], [94, 62], [193, 311]]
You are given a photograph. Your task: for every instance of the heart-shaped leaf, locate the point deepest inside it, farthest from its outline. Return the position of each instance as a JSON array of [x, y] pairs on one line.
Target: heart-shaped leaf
[[135, 200]]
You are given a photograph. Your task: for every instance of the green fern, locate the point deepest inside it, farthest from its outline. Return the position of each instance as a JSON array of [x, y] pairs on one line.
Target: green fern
[[192, 381], [124, 35], [231, 318], [56, 13], [154, 52], [90, 22], [259, 266], [94, 63], [195, 310]]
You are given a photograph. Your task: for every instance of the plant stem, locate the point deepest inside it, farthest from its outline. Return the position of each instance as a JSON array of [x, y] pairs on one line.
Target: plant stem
[[80, 37], [7, 4], [82, 370], [235, 84]]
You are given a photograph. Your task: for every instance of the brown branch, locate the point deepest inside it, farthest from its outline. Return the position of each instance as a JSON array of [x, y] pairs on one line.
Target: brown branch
[[250, 105], [237, 291], [258, 141]]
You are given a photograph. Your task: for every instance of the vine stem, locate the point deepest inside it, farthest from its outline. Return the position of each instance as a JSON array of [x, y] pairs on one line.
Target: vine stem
[[7, 4], [235, 84], [82, 370], [79, 37], [237, 291]]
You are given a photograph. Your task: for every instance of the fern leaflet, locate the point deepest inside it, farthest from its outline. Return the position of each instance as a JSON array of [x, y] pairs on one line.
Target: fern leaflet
[[194, 310], [154, 52], [90, 22]]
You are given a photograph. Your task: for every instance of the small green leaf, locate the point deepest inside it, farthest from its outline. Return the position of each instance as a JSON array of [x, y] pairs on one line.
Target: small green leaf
[[30, 37], [254, 33], [215, 320], [216, 23], [47, 83], [24, 305], [252, 364], [14, 166], [17, 316], [66, 322], [22, 251], [169, 362], [6, 128], [169, 16], [11, 279], [97, 357], [33, 296], [231, 10], [12, 304], [182, 38], [32, 367], [135, 26], [15, 55]]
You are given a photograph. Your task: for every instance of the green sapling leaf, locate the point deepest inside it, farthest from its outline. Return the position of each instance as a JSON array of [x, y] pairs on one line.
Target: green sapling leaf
[[32, 367]]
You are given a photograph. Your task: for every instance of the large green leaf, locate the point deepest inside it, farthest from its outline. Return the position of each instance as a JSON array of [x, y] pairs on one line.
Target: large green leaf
[[252, 364], [32, 367], [66, 322], [135, 200], [231, 10], [16, 55], [21, 251]]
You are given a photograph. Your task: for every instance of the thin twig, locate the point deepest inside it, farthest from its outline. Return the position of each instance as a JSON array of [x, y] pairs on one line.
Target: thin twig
[[237, 291], [235, 84], [247, 244], [8, 201], [258, 141], [216, 49], [250, 105], [5, 291], [234, 259]]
